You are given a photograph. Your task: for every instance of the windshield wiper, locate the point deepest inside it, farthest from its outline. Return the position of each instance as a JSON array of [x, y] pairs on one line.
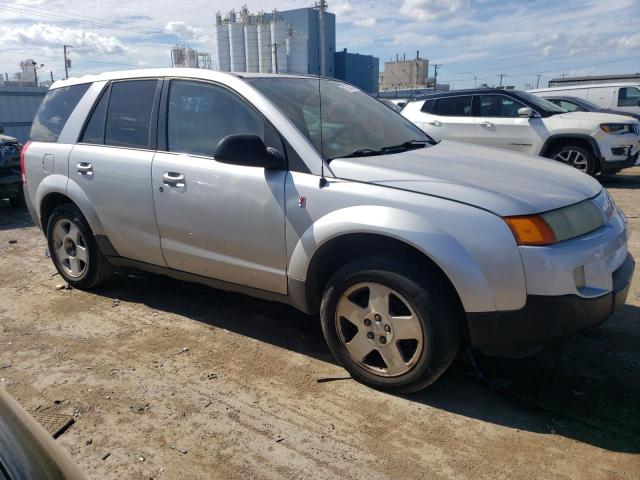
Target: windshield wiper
[[362, 152], [409, 144]]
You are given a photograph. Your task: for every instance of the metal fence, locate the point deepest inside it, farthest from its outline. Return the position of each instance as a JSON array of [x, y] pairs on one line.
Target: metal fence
[[18, 106]]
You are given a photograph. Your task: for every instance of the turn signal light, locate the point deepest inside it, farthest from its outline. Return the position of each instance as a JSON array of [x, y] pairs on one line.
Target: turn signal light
[[531, 230], [23, 170]]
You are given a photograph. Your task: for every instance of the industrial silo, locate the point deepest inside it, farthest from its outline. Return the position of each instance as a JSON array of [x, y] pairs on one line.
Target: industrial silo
[[221, 45], [278, 48], [264, 46], [236, 44], [251, 45], [297, 53]]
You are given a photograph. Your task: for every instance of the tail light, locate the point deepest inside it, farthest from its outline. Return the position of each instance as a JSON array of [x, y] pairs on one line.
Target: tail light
[[23, 171]]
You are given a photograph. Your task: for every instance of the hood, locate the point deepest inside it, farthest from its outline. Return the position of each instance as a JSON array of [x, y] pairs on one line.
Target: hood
[[500, 181], [621, 112], [600, 117]]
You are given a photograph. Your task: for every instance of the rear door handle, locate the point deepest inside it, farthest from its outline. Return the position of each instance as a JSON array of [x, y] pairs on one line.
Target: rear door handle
[[173, 179], [84, 168], [435, 123], [487, 124]]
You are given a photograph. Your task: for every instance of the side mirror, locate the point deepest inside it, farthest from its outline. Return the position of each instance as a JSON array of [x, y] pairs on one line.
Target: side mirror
[[248, 150], [527, 112]]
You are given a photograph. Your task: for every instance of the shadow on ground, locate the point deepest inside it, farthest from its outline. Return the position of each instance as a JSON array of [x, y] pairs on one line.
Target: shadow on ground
[[626, 182], [586, 388]]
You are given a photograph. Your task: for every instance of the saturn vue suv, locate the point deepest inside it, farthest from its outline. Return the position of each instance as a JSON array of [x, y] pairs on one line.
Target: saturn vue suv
[[308, 191]]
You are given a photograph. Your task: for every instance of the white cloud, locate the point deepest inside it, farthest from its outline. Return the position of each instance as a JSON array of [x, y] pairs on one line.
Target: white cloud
[[628, 42], [43, 35], [411, 39], [365, 22], [184, 30], [425, 10]]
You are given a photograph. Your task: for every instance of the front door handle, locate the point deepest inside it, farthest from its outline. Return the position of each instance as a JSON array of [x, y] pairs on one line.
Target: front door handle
[[487, 124], [84, 168], [173, 179], [435, 123]]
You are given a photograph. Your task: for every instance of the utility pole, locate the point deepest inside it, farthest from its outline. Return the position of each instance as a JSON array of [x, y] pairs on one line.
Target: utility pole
[[51, 73], [538, 82], [67, 63], [275, 55], [35, 71], [475, 82], [435, 75], [501, 75]]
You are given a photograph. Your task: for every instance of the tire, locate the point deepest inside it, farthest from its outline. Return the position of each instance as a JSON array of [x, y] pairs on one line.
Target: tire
[[74, 250], [577, 157], [419, 305], [18, 200]]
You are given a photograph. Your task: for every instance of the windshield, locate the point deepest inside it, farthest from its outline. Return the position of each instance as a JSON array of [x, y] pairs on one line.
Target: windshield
[[585, 103], [353, 123], [540, 103]]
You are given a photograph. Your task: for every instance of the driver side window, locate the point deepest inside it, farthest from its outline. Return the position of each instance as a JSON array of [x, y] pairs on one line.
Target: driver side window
[[629, 97], [499, 106], [202, 114]]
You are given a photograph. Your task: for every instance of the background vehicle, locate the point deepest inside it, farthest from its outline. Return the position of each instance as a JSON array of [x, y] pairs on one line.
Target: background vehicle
[[404, 247], [27, 451], [392, 105], [576, 104], [618, 96], [10, 181], [591, 142]]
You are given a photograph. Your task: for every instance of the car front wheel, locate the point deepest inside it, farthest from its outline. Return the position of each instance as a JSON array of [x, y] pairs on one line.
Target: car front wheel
[[392, 326], [577, 157]]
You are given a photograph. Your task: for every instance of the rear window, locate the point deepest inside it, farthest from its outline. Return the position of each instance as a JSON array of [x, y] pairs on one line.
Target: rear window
[[129, 113], [54, 112], [454, 106]]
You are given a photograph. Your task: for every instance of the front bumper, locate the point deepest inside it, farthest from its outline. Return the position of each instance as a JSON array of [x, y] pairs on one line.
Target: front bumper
[[615, 166], [546, 319]]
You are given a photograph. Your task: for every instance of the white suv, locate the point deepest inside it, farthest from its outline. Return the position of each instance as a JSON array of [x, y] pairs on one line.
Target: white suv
[[515, 120]]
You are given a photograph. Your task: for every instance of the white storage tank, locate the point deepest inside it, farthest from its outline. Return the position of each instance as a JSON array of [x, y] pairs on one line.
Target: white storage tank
[[251, 46], [264, 48], [236, 45], [279, 51], [297, 53], [221, 53]]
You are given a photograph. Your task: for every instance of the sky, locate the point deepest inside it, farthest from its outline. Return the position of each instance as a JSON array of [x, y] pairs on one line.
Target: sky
[[474, 40]]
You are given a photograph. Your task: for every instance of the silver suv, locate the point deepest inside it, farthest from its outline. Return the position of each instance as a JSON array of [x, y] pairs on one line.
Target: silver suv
[[337, 206]]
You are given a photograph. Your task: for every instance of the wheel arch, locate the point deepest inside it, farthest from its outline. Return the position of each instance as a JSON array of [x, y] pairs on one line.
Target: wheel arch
[[587, 141], [342, 236]]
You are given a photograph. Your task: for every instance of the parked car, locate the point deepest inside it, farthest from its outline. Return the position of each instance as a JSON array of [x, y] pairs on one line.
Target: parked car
[[403, 246], [392, 105], [575, 104], [27, 451], [618, 96], [10, 181], [511, 119], [400, 102]]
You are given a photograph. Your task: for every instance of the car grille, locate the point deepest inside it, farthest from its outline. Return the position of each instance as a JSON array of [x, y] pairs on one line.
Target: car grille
[[10, 149]]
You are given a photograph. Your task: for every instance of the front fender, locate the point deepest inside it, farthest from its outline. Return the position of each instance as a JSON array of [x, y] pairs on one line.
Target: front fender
[[441, 247]]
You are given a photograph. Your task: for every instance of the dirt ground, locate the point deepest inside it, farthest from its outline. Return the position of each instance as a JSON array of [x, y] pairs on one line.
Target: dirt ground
[[206, 384]]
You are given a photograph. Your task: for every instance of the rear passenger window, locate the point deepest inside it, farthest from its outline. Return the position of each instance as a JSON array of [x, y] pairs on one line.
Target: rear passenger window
[[454, 106], [427, 107], [54, 112], [201, 114], [129, 113], [94, 132], [629, 97]]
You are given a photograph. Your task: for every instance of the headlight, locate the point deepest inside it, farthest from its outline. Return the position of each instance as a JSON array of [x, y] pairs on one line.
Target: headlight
[[617, 128], [556, 225]]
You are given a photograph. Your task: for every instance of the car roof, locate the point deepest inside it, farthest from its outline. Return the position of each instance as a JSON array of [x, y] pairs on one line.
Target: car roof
[[469, 91], [586, 85], [199, 73]]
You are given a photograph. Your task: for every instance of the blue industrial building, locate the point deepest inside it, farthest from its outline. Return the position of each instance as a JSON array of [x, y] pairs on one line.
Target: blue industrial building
[[359, 70]]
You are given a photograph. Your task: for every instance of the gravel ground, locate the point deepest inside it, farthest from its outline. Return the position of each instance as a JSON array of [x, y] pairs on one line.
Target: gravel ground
[[206, 384]]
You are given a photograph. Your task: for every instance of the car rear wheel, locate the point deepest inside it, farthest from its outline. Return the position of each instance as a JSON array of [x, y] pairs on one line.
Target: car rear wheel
[[390, 325], [74, 250], [577, 157]]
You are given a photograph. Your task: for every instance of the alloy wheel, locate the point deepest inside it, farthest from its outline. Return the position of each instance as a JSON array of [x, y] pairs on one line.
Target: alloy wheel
[[379, 329], [70, 248], [574, 158]]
